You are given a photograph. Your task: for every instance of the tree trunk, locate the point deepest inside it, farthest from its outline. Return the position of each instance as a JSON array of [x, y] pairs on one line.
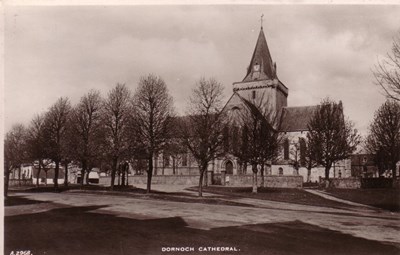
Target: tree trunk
[[127, 176], [244, 170], [308, 174], [66, 174], [327, 172], [394, 172], [155, 165], [56, 170], [327, 180], [119, 177], [149, 173], [45, 181], [87, 176], [202, 170], [173, 165], [84, 166], [38, 174], [19, 174], [123, 176], [205, 176], [113, 171], [6, 181], [262, 175], [254, 168]]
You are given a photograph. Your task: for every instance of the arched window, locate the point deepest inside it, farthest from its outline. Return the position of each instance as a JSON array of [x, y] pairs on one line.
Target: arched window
[[229, 167], [253, 96]]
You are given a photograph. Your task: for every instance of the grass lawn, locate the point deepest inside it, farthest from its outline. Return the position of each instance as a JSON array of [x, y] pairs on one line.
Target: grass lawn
[[388, 199], [296, 196], [129, 191], [84, 231]]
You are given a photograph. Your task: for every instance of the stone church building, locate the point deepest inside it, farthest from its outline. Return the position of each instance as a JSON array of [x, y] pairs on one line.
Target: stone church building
[[261, 84]]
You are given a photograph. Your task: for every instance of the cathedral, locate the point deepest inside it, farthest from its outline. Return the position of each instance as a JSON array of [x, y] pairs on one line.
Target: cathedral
[[261, 84]]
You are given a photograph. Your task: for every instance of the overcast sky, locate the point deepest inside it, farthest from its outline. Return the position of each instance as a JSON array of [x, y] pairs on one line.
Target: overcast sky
[[320, 51]]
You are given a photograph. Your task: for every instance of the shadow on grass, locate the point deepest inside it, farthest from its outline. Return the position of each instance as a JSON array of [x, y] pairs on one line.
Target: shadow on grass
[[80, 230], [16, 200], [387, 199]]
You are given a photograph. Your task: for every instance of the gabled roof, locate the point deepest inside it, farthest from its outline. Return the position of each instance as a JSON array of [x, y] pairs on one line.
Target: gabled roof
[[296, 118], [262, 57]]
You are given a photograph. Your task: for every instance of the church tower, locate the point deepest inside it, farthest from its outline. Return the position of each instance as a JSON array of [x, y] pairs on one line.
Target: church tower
[[261, 84]]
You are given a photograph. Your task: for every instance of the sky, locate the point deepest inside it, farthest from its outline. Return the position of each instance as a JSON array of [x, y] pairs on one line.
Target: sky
[[320, 50]]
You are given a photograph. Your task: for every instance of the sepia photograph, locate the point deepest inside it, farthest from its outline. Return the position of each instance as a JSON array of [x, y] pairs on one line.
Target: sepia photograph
[[182, 128]]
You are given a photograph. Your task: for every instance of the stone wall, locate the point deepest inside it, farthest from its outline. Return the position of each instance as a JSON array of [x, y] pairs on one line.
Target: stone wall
[[364, 183], [269, 181], [231, 180], [22, 182], [343, 183], [157, 179]]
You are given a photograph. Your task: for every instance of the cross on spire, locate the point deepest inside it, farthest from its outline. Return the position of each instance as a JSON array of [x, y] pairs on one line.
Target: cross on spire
[[261, 20]]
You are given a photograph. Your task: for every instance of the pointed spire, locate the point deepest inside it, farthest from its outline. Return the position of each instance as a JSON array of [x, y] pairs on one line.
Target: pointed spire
[[261, 64]]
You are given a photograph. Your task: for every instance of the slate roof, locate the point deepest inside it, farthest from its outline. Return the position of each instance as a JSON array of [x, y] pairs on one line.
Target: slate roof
[[262, 57], [296, 118]]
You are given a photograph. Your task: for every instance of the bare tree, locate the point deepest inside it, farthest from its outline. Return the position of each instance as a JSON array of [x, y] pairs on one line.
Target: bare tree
[[203, 129], [387, 72], [36, 142], [14, 152], [307, 157], [88, 130], [56, 124], [152, 118], [238, 144], [331, 136], [115, 119], [175, 149], [384, 135], [294, 160], [260, 134]]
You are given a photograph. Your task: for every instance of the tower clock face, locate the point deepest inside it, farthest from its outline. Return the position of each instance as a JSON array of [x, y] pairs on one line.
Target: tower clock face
[[256, 67]]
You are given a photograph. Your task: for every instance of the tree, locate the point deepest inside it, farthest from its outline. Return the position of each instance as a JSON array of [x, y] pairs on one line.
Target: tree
[[260, 135], [202, 130], [330, 135], [36, 143], [175, 149], [308, 158], [56, 124], [115, 119], [387, 72], [88, 130], [14, 152], [238, 144], [152, 118], [383, 139]]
